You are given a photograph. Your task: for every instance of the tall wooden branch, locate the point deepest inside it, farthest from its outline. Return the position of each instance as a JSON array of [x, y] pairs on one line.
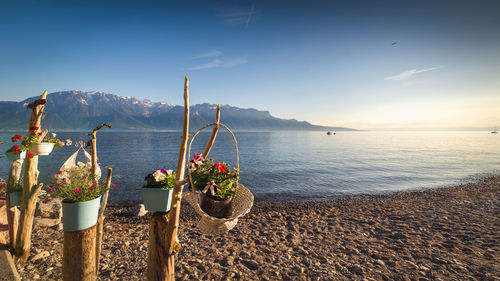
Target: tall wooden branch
[[13, 212], [30, 179], [93, 147], [213, 135], [100, 221], [163, 244]]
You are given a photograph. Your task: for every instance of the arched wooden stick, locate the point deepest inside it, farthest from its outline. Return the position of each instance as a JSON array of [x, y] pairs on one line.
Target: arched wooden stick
[[30, 179], [100, 221], [213, 135]]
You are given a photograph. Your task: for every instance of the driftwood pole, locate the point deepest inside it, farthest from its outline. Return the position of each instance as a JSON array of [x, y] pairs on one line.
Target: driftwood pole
[[100, 221], [163, 244], [214, 134], [13, 212], [30, 179], [163, 227], [79, 253]]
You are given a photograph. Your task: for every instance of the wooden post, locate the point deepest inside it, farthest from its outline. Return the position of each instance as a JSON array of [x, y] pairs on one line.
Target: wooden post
[[213, 136], [30, 179], [100, 221], [163, 244], [80, 258], [79, 255], [13, 212]]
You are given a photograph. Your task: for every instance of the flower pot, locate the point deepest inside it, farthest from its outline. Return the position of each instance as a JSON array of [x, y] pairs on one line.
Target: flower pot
[[80, 215], [12, 157], [157, 199], [216, 208], [41, 148], [15, 198]]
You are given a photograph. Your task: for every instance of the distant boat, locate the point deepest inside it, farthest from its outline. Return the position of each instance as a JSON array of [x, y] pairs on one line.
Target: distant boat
[[330, 133], [494, 131]]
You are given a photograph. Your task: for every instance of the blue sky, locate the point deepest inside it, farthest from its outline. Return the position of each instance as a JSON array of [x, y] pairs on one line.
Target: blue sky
[[327, 62]]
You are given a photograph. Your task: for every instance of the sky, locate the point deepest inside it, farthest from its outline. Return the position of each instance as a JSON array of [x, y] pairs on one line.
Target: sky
[[359, 64]]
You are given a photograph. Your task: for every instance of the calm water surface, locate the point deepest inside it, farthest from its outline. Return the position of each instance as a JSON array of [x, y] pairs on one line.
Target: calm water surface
[[296, 165]]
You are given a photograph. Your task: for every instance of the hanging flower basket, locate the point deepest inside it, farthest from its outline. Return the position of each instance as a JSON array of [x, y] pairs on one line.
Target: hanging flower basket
[[80, 215], [41, 148], [240, 203], [157, 199], [15, 198], [13, 157]]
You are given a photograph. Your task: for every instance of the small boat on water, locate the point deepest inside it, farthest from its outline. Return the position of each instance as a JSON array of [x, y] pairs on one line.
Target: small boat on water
[[330, 133], [494, 131]]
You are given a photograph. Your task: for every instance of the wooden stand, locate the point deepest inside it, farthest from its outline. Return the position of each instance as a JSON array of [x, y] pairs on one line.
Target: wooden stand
[[13, 212], [30, 179], [79, 255], [82, 248], [163, 227]]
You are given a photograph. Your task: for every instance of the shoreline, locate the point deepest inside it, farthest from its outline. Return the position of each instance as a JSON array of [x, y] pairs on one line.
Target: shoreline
[[433, 234]]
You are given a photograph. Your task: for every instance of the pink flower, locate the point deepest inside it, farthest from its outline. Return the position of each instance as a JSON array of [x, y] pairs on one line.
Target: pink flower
[[60, 172], [90, 188], [95, 184], [45, 201], [114, 185], [64, 179], [76, 190], [55, 176]]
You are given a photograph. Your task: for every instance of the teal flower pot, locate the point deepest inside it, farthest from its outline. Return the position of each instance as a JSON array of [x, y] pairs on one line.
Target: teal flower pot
[[157, 199], [15, 198], [12, 157], [80, 215]]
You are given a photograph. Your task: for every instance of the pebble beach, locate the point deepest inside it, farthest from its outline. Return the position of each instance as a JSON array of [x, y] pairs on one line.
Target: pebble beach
[[447, 233]]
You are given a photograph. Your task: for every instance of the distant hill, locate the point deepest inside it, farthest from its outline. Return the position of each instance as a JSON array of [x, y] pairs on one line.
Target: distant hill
[[77, 110]]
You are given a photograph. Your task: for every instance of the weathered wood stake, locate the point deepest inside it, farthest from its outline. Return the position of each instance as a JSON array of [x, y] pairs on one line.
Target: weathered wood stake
[[13, 212], [79, 255], [30, 179], [100, 221]]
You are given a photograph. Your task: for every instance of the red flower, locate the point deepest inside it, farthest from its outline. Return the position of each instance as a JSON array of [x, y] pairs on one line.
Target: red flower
[[60, 172], [34, 128], [95, 184], [16, 147], [221, 167], [90, 188], [40, 133], [64, 179], [45, 201], [14, 139], [114, 185], [76, 190], [18, 137], [29, 156], [53, 184]]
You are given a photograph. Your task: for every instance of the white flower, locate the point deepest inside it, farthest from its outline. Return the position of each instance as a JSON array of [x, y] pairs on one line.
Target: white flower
[[53, 135], [170, 172], [68, 142], [159, 176]]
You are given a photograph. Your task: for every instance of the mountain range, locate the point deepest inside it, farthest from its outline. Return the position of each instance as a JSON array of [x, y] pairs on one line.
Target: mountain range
[[77, 110]]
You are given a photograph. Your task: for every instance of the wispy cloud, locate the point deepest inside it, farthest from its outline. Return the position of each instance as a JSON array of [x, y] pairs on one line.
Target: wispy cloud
[[221, 63], [211, 54], [239, 16], [212, 64], [409, 73]]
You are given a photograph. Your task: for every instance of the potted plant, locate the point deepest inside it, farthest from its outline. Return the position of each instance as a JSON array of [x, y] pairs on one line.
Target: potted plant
[[216, 184], [15, 152], [45, 146], [80, 194], [157, 193], [15, 189]]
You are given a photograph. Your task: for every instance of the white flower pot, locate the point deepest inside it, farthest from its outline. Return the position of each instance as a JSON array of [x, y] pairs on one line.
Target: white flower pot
[[41, 148]]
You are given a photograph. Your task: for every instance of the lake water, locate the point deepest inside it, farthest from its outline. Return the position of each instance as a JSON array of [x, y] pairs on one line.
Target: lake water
[[296, 165]]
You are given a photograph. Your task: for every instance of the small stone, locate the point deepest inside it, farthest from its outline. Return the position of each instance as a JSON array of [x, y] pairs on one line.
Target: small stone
[[381, 262], [41, 255], [140, 211]]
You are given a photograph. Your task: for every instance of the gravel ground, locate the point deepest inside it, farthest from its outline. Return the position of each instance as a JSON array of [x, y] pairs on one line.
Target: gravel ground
[[448, 233]]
